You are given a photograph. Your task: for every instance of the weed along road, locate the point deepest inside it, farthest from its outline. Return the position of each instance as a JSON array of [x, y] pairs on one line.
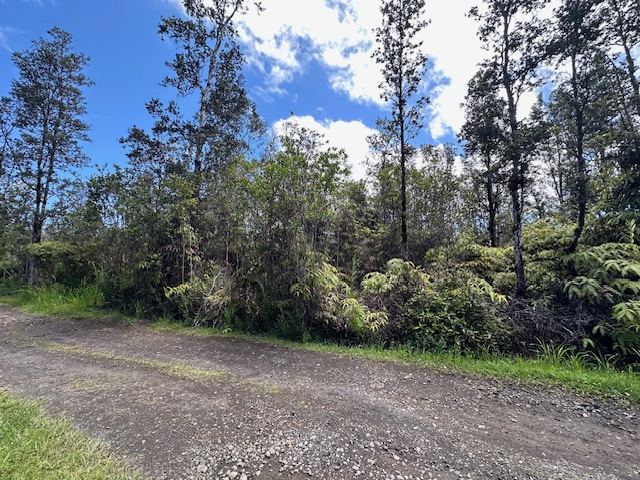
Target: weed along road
[[182, 406]]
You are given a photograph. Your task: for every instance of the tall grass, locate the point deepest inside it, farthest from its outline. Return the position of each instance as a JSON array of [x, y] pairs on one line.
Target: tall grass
[[85, 300], [57, 300], [36, 447]]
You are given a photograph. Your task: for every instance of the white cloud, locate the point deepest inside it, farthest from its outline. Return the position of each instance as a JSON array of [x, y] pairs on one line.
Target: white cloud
[[4, 40], [340, 35], [350, 136], [450, 41], [288, 34]]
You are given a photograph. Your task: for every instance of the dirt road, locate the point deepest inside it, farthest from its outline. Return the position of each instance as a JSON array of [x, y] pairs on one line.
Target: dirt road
[[185, 407]]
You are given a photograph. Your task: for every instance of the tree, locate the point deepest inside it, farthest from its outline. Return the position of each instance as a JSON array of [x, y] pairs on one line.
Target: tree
[[295, 190], [514, 37], [194, 145], [404, 64], [208, 63], [621, 23], [434, 190], [483, 134], [49, 107], [7, 125], [577, 32]]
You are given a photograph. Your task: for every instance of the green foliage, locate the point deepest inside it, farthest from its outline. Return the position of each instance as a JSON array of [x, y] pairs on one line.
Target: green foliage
[[608, 278], [544, 242], [584, 288], [61, 262], [35, 447], [205, 301], [83, 301], [558, 355], [404, 68], [9, 284], [333, 307], [444, 311]]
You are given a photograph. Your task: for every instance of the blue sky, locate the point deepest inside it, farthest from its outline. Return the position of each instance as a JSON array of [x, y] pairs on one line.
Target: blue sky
[[310, 57]]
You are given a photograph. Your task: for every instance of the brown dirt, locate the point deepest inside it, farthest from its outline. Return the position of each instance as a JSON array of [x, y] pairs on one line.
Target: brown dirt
[[186, 407]]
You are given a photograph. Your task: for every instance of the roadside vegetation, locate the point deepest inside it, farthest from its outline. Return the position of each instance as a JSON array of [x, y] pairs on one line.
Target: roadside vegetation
[[36, 447], [514, 253]]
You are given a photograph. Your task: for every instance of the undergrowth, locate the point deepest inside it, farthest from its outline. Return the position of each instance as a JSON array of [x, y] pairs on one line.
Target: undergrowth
[[82, 302]]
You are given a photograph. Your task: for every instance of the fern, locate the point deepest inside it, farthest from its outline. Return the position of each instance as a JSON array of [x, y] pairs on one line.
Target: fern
[[376, 283], [301, 290], [628, 313], [356, 314], [480, 287], [584, 288], [622, 287], [630, 269], [377, 320], [628, 234]]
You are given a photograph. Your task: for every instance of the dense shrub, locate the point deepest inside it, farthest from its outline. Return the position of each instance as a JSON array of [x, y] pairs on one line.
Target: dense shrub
[[205, 300], [441, 312], [607, 281], [332, 308], [62, 263]]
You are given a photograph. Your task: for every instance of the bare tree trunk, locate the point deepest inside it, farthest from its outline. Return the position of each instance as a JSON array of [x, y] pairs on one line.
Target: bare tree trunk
[[492, 214], [516, 166], [581, 164]]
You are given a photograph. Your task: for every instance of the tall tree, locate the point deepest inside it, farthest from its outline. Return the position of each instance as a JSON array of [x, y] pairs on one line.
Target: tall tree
[[483, 134], [513, 35], [404, 64], [7, 124], [50, 104], [576, 38], [194, 143], [208, 63], [621, 21]]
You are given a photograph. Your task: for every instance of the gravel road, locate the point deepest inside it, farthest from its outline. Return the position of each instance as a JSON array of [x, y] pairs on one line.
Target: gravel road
[[186, 407]]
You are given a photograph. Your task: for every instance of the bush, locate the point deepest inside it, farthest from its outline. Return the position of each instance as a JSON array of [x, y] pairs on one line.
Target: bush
[[331, 306], [205, 300], [61, 262], [607, 280], [454, 312]]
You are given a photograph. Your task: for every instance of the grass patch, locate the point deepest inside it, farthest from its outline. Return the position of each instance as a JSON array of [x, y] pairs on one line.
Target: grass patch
[[83, 302], [173, 369], [36, 447]]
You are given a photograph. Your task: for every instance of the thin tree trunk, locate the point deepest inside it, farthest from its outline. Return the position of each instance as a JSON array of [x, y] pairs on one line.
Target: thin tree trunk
[[492, 214], [221, 30], [516, 166], [581, 164], [403, 213]]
